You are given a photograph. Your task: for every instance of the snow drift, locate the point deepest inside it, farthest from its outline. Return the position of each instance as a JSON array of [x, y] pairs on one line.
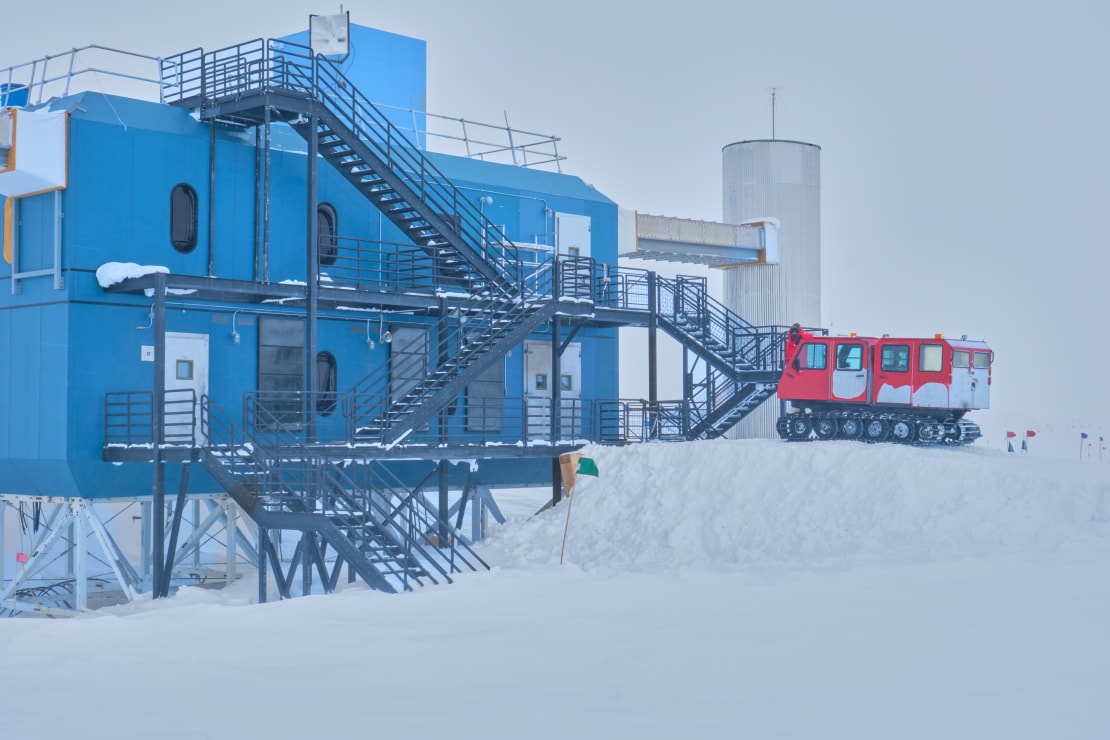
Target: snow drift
[[756, 502]]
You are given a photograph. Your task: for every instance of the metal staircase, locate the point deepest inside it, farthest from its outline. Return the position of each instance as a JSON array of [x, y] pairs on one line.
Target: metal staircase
[[738, 364], [382, 531], [469, 339], [246, 83]]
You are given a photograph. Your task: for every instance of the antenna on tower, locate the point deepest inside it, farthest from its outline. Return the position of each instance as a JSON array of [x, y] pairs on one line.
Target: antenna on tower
[[774, 90]]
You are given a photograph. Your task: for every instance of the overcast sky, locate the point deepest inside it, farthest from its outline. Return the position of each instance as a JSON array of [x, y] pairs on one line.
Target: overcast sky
[[965, 167]]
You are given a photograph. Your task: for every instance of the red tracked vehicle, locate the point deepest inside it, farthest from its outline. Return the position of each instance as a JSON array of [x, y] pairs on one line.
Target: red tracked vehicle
[[911, 391]]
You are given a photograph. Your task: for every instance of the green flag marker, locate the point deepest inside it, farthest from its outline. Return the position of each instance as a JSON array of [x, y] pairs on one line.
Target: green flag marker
[[586, 466]]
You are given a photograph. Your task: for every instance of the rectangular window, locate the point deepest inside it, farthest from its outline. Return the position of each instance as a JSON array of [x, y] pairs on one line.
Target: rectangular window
[[541, 381], [930, 358], [895, 358], [485, 400], [184, 369], [983, 360], [812, 357], [409, 358], [849, 356], [281, 367], [961, 358]]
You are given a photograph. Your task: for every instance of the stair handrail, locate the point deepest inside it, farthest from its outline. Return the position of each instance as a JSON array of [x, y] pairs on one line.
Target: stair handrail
[[361, 500], [343, 99], [470, 329]]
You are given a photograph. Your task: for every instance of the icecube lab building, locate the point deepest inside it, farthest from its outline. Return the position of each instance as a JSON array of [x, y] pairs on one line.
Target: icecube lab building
[[268, 300]]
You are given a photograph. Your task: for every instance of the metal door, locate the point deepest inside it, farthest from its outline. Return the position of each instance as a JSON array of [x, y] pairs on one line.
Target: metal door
[[538, 387], [186, 382]]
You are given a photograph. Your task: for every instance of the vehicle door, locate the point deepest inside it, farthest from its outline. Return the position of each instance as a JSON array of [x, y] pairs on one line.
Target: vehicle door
[[893, 374], [932, 374], [970, 387], [808, 376], [849, 374]]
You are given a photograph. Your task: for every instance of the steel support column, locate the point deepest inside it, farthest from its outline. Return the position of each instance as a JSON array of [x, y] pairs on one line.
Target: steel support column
[[263, 537], [653, 326], [312, 278], [231, 519], [212, 198], [556, 481], [444, 504], [158, 502], [175, 529], [80, 547], [556, 385], [266, 199]]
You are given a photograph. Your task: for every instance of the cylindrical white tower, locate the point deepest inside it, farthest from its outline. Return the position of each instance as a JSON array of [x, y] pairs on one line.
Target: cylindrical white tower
[[781, 180]]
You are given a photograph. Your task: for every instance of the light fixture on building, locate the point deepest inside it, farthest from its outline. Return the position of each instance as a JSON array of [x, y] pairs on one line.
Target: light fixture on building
[[234, 334], [385, 336]]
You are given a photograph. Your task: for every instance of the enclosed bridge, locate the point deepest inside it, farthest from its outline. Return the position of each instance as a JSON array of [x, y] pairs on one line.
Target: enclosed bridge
[[258, 308]]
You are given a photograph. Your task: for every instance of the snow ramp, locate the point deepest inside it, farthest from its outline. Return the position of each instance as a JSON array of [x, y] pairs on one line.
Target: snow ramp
[[748, 502]]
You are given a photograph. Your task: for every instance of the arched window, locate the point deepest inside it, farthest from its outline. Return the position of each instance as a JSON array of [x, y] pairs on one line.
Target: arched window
[[325, 383], [327, 226], [183, 218]]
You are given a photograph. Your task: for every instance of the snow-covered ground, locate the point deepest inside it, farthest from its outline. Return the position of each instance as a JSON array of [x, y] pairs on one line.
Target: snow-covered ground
[[715, 589]]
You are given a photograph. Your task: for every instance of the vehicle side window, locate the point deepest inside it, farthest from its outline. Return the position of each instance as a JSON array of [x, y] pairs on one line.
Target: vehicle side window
[[930, 358], [961, 358], [813, 357], [895, 358], [983, 360], [849, 356]]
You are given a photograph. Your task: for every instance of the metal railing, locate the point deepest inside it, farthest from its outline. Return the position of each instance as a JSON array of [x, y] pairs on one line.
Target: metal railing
[[120, 72], [129, 418], [91, 67], [196, 76], [386, 267], [378, 509]]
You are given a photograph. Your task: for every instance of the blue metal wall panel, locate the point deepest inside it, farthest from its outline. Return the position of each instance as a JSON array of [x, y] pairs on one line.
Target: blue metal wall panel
[[117, 210], [388, 69]]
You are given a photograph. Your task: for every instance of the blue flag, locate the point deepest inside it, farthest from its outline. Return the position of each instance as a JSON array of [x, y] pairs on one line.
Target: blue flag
[[1083, 435], [1023, 447], [1009, 447]]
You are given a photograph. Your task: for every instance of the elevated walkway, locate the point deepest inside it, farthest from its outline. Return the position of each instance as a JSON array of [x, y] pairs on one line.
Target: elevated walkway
[[669, 239]]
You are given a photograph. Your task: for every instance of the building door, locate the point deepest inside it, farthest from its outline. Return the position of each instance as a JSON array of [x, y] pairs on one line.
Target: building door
[[572, 235], [539, 385], [186, 370]]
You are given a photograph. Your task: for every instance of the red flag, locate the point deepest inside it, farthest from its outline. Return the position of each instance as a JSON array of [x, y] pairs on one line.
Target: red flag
[[1030, 433], [1011, 435]]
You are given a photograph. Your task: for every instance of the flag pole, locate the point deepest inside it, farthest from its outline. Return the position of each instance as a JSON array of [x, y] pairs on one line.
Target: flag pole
[[566, 527]]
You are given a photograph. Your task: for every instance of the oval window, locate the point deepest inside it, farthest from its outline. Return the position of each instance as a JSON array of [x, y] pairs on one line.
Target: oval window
[[183, 218], [326, 229], [326, 395]]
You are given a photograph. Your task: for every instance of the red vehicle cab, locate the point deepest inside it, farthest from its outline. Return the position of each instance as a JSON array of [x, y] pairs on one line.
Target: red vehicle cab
[[908, 390]]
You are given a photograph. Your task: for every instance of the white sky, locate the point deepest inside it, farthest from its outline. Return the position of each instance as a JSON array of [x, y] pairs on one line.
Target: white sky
[[964, 157]]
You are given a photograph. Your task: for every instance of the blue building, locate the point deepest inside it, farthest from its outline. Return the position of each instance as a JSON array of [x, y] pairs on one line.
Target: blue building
[[266, 286]]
